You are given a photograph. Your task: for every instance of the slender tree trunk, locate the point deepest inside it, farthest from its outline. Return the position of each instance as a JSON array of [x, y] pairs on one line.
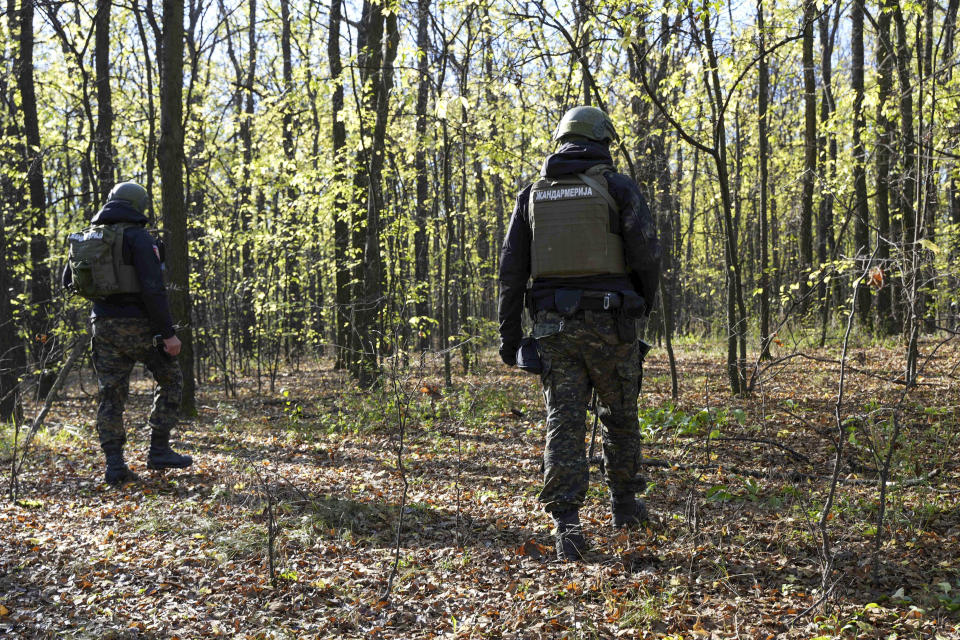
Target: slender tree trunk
[[827, 150], [104, 133], [949, 33], [421, 259], [293, 304], [885, 57], [12, 354], [463, 252], [248, 316], [763, 92], [40, 282], [912, 230], [691, 217], [927, 190], [500, 218], [446, 321], [582, 14], [861, 235], [736, 313], [342, 217], [151, 109], [669, 213], [11, 347], [170, 158], [810, 150], [369, 59], [377, 56]]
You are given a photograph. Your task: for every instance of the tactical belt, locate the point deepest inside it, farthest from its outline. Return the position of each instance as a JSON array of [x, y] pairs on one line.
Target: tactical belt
[[588, 300], [601, 300]]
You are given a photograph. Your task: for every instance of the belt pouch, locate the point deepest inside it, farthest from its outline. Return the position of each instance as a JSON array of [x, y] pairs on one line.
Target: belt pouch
[[567, 301]]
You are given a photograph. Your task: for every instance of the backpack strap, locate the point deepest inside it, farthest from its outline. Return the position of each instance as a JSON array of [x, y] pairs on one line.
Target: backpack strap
[[604, 192], [126, 273]]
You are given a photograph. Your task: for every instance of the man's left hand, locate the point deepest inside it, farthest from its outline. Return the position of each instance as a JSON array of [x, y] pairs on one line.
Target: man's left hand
[[508, 354], [172, 346]]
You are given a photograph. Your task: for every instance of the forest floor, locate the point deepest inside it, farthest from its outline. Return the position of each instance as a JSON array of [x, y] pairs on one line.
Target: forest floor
[[733, 549]]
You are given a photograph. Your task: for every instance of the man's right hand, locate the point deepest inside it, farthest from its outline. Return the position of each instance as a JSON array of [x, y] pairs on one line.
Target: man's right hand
[[172, 346], [508, 354]]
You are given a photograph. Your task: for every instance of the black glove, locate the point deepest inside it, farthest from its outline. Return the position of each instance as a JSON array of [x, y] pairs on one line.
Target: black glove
[[508, 353]]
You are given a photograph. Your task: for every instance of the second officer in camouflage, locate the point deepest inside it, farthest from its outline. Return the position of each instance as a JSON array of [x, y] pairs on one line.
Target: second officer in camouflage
[[118, 265], [584, 234]]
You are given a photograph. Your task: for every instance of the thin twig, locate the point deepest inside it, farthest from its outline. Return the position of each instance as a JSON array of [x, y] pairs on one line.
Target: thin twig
[[825, 550], [402, 400]]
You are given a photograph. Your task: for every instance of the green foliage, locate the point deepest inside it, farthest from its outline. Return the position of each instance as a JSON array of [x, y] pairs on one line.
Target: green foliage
[[668, 419], [265, 191]]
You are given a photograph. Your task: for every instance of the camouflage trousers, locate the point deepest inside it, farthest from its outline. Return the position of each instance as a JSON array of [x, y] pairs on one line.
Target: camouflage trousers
[[580, 352], [118, 345]]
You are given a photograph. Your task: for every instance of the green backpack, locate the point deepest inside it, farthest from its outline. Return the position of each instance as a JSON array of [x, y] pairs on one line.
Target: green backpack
[[96, 262]]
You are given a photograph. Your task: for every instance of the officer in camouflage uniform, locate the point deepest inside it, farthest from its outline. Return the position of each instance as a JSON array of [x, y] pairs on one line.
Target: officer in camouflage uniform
[[123, 328], [585, 235]]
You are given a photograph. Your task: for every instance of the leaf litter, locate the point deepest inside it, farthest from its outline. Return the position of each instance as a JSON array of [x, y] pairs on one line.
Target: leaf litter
[[726, 555]]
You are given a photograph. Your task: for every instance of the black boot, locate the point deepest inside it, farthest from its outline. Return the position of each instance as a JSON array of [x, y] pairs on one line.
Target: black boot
[[628, 511], [161, 456], [569, 536], [117, 470]]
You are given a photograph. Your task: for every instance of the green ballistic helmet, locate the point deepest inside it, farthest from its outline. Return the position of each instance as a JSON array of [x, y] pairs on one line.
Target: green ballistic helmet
[[588, 122], [131, 193]]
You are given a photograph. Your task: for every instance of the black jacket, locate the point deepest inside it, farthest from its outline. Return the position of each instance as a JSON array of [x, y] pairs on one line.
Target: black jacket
[[641, 249], [144, 252]]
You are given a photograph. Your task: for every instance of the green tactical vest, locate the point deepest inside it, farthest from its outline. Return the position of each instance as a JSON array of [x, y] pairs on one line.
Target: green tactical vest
[[96, 262], [576, 227]]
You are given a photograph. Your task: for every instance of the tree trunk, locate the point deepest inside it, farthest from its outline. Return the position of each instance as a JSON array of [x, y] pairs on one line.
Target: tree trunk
[[736, 313], [810, 150], [421, 259], [104, 133], [12, 355], [342, 217], [40, 283], [293, 303], [669, 213], [500, 218], [378, 47], [463, 252], [827, 149], [369, 57], [248, 316], [763, 93], [151, 110], [11, 347], [927, 190], [885, 56], [446, 321], [861, 233], [582, 14], [912, 230], [170, 158]]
